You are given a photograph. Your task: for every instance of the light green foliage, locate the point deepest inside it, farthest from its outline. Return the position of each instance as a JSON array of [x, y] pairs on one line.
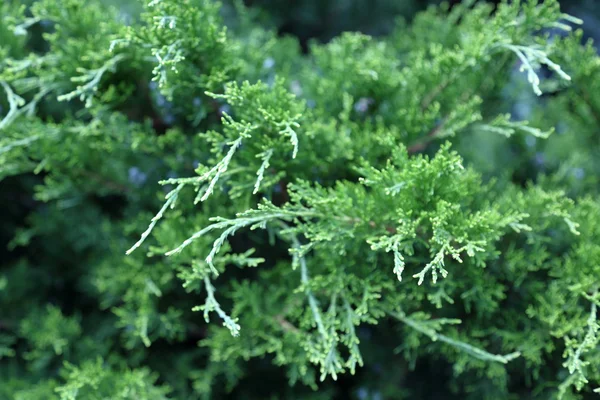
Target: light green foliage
[[187, 47], [92, 380], [205, 206]]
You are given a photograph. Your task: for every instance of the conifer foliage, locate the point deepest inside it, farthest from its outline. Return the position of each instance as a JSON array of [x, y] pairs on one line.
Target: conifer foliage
[[198, 209]]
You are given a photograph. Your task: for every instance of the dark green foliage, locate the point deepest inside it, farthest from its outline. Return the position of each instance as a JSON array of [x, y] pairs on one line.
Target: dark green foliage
[[195, 210]]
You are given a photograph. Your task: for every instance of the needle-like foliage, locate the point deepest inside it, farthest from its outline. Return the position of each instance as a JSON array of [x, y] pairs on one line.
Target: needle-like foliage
[[195, 208]]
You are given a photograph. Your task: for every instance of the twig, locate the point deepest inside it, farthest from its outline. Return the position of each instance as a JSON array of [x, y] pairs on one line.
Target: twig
[[422, 144], [286, 325]]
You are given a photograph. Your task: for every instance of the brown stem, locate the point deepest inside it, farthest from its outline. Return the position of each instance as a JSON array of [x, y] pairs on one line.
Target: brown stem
[[431, 135], [429, 98], [108, 184], [286, 325], [426, 102]]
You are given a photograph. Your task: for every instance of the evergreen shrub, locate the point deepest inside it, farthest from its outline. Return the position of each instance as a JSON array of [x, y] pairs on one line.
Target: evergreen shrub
[[196, 208]]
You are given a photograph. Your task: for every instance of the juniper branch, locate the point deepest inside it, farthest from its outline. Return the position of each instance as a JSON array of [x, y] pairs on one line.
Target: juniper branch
[[288, 131], [467, 348], [529, 55], [574, 363], [171, 197], [266, 156], [212, 304], [14, 101], [252, 219], [90, 80]]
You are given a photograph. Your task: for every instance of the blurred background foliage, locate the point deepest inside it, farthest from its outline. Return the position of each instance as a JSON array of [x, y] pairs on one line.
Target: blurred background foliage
[[324, 19]]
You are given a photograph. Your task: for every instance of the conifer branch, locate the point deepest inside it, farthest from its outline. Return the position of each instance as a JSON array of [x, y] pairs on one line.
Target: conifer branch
[[21, 29], [219, 169], [435, 265], [168, 57], [531, 57], [90, 79], [312, 301], [171, 198], [330, 364], [212, 304], [354, 210], [215, 173], [14, 101], [574, 352], [355, 358], [266, 156], [289, 131], [465, 347], [19, 143], [17, 106], [502, 125], [253, 219]]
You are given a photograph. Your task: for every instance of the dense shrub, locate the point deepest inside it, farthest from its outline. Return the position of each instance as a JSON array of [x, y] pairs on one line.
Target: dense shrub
[[195, 211]]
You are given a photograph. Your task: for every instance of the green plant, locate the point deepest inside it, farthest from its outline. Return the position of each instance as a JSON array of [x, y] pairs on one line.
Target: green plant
[[370, 212]]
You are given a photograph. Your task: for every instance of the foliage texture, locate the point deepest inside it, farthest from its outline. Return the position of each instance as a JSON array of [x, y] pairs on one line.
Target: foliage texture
[[196, 208]]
